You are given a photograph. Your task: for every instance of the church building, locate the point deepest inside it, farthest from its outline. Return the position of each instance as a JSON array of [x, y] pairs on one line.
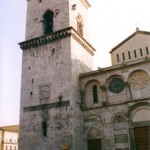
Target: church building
[[65, 105]]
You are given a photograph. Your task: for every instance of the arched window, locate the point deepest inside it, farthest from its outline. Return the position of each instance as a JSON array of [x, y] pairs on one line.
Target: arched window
[[95, 94], [79, 25], [48, 22]]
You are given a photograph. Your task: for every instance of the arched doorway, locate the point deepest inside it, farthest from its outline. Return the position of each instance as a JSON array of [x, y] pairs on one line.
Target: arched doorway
[[94, 139], [140, 126]]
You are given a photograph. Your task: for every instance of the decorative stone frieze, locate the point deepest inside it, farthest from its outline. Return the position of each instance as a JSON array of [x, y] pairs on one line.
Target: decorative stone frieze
[[58, 35]]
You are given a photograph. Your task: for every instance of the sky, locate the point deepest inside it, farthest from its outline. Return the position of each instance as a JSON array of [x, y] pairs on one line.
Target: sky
[[110, 22]]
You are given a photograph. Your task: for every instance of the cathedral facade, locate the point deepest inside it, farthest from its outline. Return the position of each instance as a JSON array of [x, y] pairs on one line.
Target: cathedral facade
[[64, 103]]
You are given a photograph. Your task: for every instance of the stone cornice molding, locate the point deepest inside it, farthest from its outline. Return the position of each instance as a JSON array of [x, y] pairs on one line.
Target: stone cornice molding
[[114, 68], [58, 35], [85, 3]]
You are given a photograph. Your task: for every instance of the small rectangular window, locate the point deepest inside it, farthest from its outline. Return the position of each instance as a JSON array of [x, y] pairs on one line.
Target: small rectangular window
[[123, 56], [129, 54], [117, 57], [141, 52], [147, 51], [135, 54]]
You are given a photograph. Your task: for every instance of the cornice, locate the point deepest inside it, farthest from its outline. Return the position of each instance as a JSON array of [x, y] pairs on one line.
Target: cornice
[[85, 3], [128, 38], [128, 65], [136, 102], [58, 35]]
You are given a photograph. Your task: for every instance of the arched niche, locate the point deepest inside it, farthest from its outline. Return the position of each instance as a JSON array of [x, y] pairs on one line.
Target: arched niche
[[93, 133], [92, 92], [140, 113], [48, 21]]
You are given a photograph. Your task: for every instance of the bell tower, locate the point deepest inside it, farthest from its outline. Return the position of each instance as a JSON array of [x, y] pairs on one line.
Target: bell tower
[[55, 52]]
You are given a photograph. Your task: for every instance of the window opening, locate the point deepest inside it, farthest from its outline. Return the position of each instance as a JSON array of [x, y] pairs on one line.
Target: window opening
[[44, 127], [129, 54], [117, 57], [48, 22], [123, 56], [147, 51], [141, 52], [135, 54], [95, 94]]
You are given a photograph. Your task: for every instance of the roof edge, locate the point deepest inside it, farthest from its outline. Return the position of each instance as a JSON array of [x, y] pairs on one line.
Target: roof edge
[[129, 37]]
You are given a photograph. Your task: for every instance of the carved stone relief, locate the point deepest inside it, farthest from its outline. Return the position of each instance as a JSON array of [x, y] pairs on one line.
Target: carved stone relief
[[139, 80], [44, 91]]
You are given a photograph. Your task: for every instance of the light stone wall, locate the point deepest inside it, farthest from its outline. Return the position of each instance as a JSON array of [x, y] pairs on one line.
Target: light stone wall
[[64, 16], [139, 41], [127, 106], [83, 11], [36, 10]]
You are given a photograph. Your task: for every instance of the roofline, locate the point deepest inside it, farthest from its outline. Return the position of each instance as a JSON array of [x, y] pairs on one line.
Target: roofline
[[132, 35], [12, 128], [115, 67]]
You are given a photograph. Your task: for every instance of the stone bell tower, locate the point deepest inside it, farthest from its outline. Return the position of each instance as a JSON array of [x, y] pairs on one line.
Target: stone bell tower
[[55, 52]]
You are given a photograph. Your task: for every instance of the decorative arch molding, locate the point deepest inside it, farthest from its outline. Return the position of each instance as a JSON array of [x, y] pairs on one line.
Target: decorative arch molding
[[89, 82], [113, 76], [140, 69], [93, 133], [119, 117], [92, 117], [133, 108], [40, 18], [139, 123], [139, 109]]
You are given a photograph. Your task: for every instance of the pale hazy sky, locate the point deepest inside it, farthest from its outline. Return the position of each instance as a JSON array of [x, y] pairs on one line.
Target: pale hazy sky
[[111, 21]]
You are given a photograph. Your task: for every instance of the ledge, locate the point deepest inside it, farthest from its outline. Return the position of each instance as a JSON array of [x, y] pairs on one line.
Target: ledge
[[58, 35]]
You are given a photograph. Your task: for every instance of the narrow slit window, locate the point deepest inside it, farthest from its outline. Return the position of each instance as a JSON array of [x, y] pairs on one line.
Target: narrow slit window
[[123, 56], [147, 51], [44, 128], [95, 94], [135, 54], [141, 52], [117, 57], [129, 54], [48, 22]]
